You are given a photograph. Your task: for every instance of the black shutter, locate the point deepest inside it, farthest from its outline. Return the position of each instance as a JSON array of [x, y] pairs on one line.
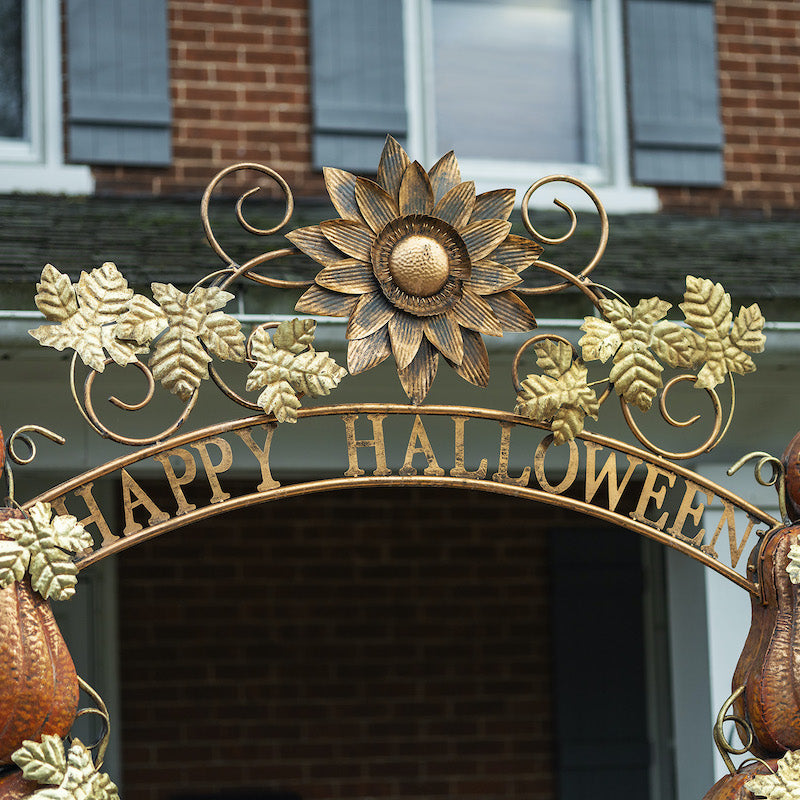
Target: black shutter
[[119, 102], [676, 132], [358, 87]]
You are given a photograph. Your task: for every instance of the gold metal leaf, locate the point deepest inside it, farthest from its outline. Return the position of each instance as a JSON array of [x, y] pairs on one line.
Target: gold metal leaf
[[55, 296], [294, 335], [13, 563], [636, 374], [79, 778], [102, 296], [723, 340], [561, 396], [222, 335], [42, 762], [179, 360], [142, 322], [793, 567], [315, 373], [287, 364], [600, 341], [783, 785], [280, 399], [674, 344], [47, 544]]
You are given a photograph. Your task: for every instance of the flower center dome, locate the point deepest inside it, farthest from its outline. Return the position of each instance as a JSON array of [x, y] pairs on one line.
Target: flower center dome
[[419, 265]]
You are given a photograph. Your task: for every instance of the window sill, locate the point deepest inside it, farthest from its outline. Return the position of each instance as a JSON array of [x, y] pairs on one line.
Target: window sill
[[50, 178]]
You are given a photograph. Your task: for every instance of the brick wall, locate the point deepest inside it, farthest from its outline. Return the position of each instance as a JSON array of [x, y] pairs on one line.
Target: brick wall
[[240, 89], [351, 645], [759, 53], [239, 82]]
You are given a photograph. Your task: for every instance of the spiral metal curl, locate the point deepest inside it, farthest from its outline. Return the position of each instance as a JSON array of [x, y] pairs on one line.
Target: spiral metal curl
[[86, 407], [725, 747], [568, 278], [714, 438], [776, 478], [21, 435], [99, 710], [234, 270]]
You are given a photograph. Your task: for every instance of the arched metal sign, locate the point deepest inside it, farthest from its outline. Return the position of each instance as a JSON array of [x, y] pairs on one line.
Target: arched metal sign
[[423, 269]]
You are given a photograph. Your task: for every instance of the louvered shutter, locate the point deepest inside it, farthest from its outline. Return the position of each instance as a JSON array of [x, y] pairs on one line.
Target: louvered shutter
[[676, 132], [119, 103], [358, 84]]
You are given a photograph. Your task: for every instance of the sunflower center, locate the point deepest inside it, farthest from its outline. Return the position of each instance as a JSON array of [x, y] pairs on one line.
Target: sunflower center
[[419, 265]]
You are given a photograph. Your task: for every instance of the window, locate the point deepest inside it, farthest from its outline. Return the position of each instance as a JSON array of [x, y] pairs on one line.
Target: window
[[31, 142], [521, 89], [524, 89]]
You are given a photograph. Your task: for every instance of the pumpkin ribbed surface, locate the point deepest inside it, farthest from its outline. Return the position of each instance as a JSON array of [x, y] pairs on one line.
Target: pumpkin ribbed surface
[[769, 666], [38, 684], [731, 787]]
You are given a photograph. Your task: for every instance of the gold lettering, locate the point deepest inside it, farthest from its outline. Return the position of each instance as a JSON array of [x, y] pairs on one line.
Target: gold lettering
[[688, 510], [267, 481], [130, 487], [657, 496], [502, 476], [95, 514], [175, 483], [609, 472], [418, 434], [729, 519], [376, 443], [538, 466], [212, 470], [459, 470]]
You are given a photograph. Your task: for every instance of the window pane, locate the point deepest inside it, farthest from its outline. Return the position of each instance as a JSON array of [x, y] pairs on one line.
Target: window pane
[[509, 78], [12, 114]]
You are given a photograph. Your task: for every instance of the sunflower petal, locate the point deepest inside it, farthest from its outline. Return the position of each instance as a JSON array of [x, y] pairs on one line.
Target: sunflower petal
[[393, 164], [456, 206], [377, 206], [352, 238], [313, 243], [475, 313], [513, 314], [444, 333], [418, 376], [416, 194], [366, 353], [497, 204], [317, 300], [405, 333], [341, 187], [474, 366], [444, 175], [483, 236], [372, 312], [349, 276], [486, 277], [517, 252]]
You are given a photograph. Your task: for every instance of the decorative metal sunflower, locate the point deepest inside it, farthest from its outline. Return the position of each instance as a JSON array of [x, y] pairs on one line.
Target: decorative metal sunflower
[[420, 265]]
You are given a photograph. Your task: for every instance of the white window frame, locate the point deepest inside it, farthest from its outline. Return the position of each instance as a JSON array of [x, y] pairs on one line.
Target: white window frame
[[610, 178], [36, 163]]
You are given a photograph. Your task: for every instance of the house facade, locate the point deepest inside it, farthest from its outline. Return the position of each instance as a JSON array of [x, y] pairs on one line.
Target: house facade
[[403, 643]]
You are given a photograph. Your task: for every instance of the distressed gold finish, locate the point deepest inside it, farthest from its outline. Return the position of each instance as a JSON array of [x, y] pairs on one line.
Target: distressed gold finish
[[420, 265], [784, 783]]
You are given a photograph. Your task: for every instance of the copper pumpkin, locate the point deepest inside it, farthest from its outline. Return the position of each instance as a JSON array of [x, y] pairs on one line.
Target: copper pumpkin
[[732, 787], [768, 666], [38, 684]]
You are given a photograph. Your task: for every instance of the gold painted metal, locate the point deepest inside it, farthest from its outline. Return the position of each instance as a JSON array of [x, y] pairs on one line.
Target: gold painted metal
[[724, 746], [421, 267], [783, 783], [777, 478]]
